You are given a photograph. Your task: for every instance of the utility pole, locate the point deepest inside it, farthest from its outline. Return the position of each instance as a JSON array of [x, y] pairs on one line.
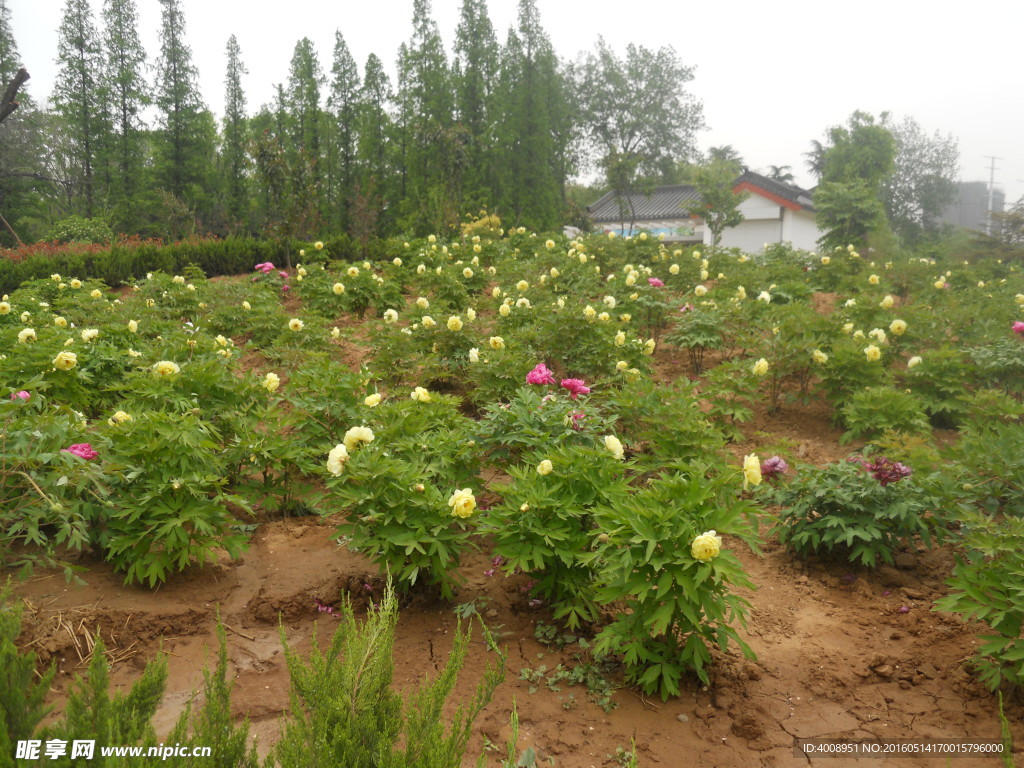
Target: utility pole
[[991, 189]]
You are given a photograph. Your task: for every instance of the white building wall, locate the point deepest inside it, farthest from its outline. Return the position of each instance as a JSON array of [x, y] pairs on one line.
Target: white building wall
[[752, 234], [800, 229]]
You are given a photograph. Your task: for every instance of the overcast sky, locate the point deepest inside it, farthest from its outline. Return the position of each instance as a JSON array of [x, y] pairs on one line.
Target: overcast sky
[[772, 76]]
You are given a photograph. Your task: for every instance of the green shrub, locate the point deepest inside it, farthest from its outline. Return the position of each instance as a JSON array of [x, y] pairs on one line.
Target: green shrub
[[673, 600], [22, 696], [864, 514], [874, 410], [81, 230], [987, 585]]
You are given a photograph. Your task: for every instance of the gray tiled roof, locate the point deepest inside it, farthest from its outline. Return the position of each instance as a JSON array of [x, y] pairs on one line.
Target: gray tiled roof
[[790, 192], [670, 202], [661, 203]]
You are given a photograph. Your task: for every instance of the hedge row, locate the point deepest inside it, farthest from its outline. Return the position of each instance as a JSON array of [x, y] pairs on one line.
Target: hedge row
[[121, 263]]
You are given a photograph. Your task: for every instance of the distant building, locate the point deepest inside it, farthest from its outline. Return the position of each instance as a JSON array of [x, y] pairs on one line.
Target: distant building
[[774, 212], [970, 208]]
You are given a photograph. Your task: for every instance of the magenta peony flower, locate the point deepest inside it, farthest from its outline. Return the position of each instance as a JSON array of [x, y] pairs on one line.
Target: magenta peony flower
[[540, 375], [285, 287], [576, 387], [82, 451], [885, 470], [282, 273], [23, 395], [655, 282], [774, 466], [1018, 327]]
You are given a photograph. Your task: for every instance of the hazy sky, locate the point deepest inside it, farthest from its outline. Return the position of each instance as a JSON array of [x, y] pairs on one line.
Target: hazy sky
[[772, 76]]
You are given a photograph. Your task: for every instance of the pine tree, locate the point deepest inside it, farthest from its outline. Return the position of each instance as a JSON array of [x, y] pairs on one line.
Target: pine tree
[[474, 75], [303, 98], [343, 106], [235, 136], [128, 94], [78, 99], [185, 143]]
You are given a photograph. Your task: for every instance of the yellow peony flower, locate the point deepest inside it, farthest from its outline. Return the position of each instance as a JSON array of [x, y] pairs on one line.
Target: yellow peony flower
[[356, 436], [898, 327], [496, 342], [65, 361], [5, 308], [338, 289], [462, 503], [940, 284], [621, 365], [872, 353], [467, 273], [428, 321], [26, 335], [522, 285], [914, 361], [271, 382], [604, 317], [420, 395], [589, 312], [886, 303], [549, 244], [454, 323], [75, 283], [474, 355], [89, 334], [819, 356], [119, 418], [751, 471], [60, 322], [760, 368], [165, 368], [620, 339], [96, 293], [649, 346], [336, 459], [295, 324], [335, 332], [674, 269], [878, 335], [372, 401], [873, 279], [555, 274], [613, 444], [352, 272], [706, 546], [700, 290], [422, 303], [545, 467]]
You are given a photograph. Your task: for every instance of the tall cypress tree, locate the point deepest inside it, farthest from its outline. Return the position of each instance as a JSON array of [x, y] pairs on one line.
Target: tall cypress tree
[[186, 141], [233, 153], [343, 104], [10, 60], [474, 75], [535, 159], [306, 121], [128, 94], [374, 189], [432, 151], [78, 100]]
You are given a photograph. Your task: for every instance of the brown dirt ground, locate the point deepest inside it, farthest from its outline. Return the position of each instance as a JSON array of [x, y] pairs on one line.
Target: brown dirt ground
[[842, 652]]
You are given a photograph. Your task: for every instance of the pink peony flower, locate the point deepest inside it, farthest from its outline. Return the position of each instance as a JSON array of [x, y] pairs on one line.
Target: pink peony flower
[[540, 375], [577, 419], [23, 395], [286, 288], [576, 387], [1018, 327], [686, 308], [655, 282], [82, 451], [282, 273]]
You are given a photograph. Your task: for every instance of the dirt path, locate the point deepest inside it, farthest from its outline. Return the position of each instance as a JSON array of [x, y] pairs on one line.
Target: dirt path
[[837, 654]]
